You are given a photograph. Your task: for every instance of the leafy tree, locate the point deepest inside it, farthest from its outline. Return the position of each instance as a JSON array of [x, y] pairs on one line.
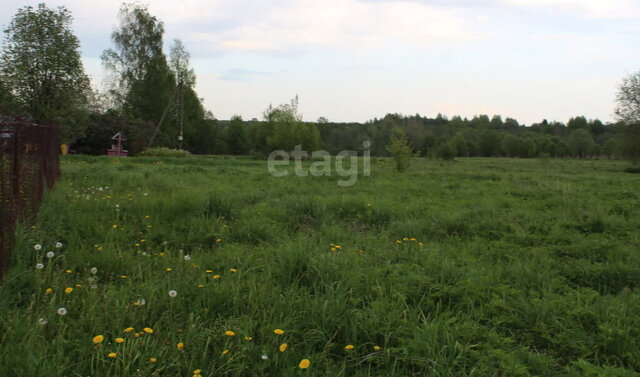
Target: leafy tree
[[285, 129], [460, 144], [490, 143], [142, 83], [630, 142], [400, 150], [236, 136], [577, 123], [581, 143], [609, 148], [41, 69], [446, 151], [628, 98]]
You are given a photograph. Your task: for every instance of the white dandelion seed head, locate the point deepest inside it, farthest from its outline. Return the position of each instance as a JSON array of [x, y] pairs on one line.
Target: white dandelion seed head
[[43, 321], [141, 302], [264, 357], [37, 247], [94, 270], [187, 257], [58, 245], [62, 311], [94, 286], [50, 254], [173, 293], [145, 194], [39, 266]]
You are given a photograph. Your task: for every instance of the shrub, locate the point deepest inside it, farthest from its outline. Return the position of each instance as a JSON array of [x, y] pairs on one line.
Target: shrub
[[164, 152]]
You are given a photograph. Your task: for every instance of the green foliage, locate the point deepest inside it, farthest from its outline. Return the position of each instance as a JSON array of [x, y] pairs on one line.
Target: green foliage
[[164, 152], [581, 143], [400, 150], [41, 70], [628, 98], [460, 144], [446, 151], [630, 142], [236, 136], [142, 83], [283, 129]]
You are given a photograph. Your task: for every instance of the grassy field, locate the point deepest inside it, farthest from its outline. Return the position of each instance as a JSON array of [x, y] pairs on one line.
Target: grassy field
[[479, 267]]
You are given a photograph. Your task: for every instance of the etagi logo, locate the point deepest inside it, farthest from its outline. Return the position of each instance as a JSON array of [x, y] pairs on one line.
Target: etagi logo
[[345, 164]]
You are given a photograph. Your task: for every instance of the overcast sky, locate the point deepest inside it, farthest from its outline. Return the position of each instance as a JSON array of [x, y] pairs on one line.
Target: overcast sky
[[352, 60]]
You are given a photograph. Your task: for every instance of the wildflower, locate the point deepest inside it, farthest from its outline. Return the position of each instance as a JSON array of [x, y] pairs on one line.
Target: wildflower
[[148, 330], [225, 352], [197, 371], [349, 347], [113, 354], [264, 357], [278, 331], [68, 271], [68, 290], [248, 338], [37, 247], [180, 346], [377, 348], [173, 293], [123, 276], [218, 240], [114, 226], [398, 242], [216, 276], [137, 335], [304, 364], [48, 290], [39, 266], [229, 333], [200, 286], [208, 271], [153, 359], [283, 347], [128, 330], [57, 245], [421, 243], [119, 340], [233, 270], [187, 257], [168, 269], [50, 254], [43, 321], [369, 205], [98, 339], [94, 270]]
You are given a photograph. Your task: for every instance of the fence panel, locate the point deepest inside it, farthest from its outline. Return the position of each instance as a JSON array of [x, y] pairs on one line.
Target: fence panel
[[29, 165]]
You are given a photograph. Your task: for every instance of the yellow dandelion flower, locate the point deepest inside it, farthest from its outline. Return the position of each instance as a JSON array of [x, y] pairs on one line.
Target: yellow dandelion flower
[[197, 371], [283, 347], [136, 335], [405, 239], [48, 290], [233, 270], [119, 340], [128, 330], [153, 359], [148, 330], [180, 346], [377, 348], [229, 333], [112, 354], [216, 276], [278, 331], [333, 249], [200, 286], [98, 339], [349, 347], [248, 338], [421, 243], [304, 364], [209, 271], [114, 226], [123, 276], [79, 285], [225, 352], [68, 271], [168, 269], [68, 290]]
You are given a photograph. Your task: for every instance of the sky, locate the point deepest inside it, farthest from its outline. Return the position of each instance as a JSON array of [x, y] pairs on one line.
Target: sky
[[353, 60]]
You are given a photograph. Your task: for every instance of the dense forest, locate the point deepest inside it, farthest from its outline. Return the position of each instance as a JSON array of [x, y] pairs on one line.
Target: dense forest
[[150, 97]]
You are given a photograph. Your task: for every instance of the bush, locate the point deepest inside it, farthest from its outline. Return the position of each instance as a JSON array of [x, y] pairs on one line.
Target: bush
[[164, 152]]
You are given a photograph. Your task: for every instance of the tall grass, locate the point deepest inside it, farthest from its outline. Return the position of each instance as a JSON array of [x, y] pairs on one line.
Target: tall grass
[[484, 267]]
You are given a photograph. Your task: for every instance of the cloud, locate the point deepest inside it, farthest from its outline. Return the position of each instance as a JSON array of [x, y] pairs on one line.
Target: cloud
[[590, 8]]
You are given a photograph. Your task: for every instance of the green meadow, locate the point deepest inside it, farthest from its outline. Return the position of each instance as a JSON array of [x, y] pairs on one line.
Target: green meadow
[[188, 266]]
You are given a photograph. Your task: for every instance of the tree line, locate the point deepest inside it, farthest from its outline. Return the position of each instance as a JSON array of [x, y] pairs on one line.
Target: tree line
[[150, 95]]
